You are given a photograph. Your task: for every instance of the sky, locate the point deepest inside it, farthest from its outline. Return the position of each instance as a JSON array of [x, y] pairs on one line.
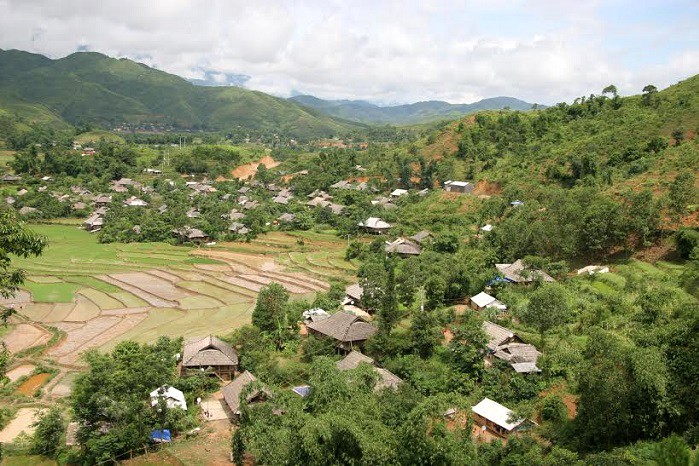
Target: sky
[[383, 51]]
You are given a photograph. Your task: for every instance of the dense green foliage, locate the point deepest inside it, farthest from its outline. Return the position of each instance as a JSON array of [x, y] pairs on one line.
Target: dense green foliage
[[111, 400], [49, 431]]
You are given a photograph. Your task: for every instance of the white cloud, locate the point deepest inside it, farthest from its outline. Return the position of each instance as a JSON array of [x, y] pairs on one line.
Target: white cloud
[[387, 51]]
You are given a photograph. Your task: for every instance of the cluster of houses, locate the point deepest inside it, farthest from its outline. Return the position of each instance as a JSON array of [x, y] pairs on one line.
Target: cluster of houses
[[215, 357]]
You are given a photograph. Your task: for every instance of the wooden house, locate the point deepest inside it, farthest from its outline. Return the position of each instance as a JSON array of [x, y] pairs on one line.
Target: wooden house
[[348, 330], [507, 346], [518, 272], [211, 355], [387, 379], [458, 186], [484, 301], [491, 416], [233, 391], [403, 248], [375, 226]]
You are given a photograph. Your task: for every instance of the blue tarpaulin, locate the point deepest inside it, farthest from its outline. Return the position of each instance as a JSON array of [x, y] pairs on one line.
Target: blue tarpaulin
[[160, 436]]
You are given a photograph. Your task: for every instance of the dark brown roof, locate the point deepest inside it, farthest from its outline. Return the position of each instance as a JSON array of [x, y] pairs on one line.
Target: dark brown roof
[[232, 391], [344, 327], [208, 351]]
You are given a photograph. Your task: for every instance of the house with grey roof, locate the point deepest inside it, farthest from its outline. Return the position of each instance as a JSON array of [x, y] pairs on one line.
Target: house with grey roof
[[26, 211], [211, 355], [94, 222], [232, 393], [348, 330], [507, 346], [375, 225], [458, 186], [403, 247], [286, 218], [518, 272], [422, 237], [387, 379], [193, 235]]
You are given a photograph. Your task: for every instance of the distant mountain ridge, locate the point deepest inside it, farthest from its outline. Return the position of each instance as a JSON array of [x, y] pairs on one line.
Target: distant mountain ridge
[[89, 87], [419, 112]]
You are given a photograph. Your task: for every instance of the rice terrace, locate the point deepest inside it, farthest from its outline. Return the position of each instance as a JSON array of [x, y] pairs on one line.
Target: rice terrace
[[81, 295]]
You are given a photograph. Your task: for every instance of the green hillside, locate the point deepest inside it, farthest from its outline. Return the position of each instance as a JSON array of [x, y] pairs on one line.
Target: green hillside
[[409, 114], [90, 87], [605, 141]]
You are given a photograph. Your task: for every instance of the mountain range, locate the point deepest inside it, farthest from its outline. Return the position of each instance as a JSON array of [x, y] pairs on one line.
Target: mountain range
[[89, 87], [419, 112]]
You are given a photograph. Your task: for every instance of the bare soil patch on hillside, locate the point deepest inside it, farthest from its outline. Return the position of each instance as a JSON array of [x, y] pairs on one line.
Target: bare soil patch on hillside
[[249, 170]]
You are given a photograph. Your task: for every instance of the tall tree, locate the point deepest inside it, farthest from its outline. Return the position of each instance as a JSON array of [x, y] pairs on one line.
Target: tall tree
[[49, 431], [389, 313], [548, 307], [649, 95], [682, 192], [269, 314]]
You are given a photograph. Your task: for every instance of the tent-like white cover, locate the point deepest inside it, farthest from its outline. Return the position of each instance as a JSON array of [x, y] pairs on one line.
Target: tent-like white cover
[[483, 299], [496, 413], [173, 397]]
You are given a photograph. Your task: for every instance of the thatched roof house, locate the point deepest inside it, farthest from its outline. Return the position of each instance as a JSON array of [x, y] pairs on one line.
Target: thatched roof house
[[232, 392], [347, 329], [517, 272], [403, 248], [387, 379], [212, 354], [375, 225], [504, 344]]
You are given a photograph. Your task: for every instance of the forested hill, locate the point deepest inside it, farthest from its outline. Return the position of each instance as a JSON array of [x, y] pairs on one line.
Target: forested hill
[[419, 112], [90, 87], [603, 141]]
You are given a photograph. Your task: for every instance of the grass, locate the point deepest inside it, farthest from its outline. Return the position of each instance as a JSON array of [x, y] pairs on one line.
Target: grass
[[44, 279], [199, 302], [91, 282], [196, 322], [203, 260], [52, 292], [27, 460], [6, 156], [102, 300], [74, 250]]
